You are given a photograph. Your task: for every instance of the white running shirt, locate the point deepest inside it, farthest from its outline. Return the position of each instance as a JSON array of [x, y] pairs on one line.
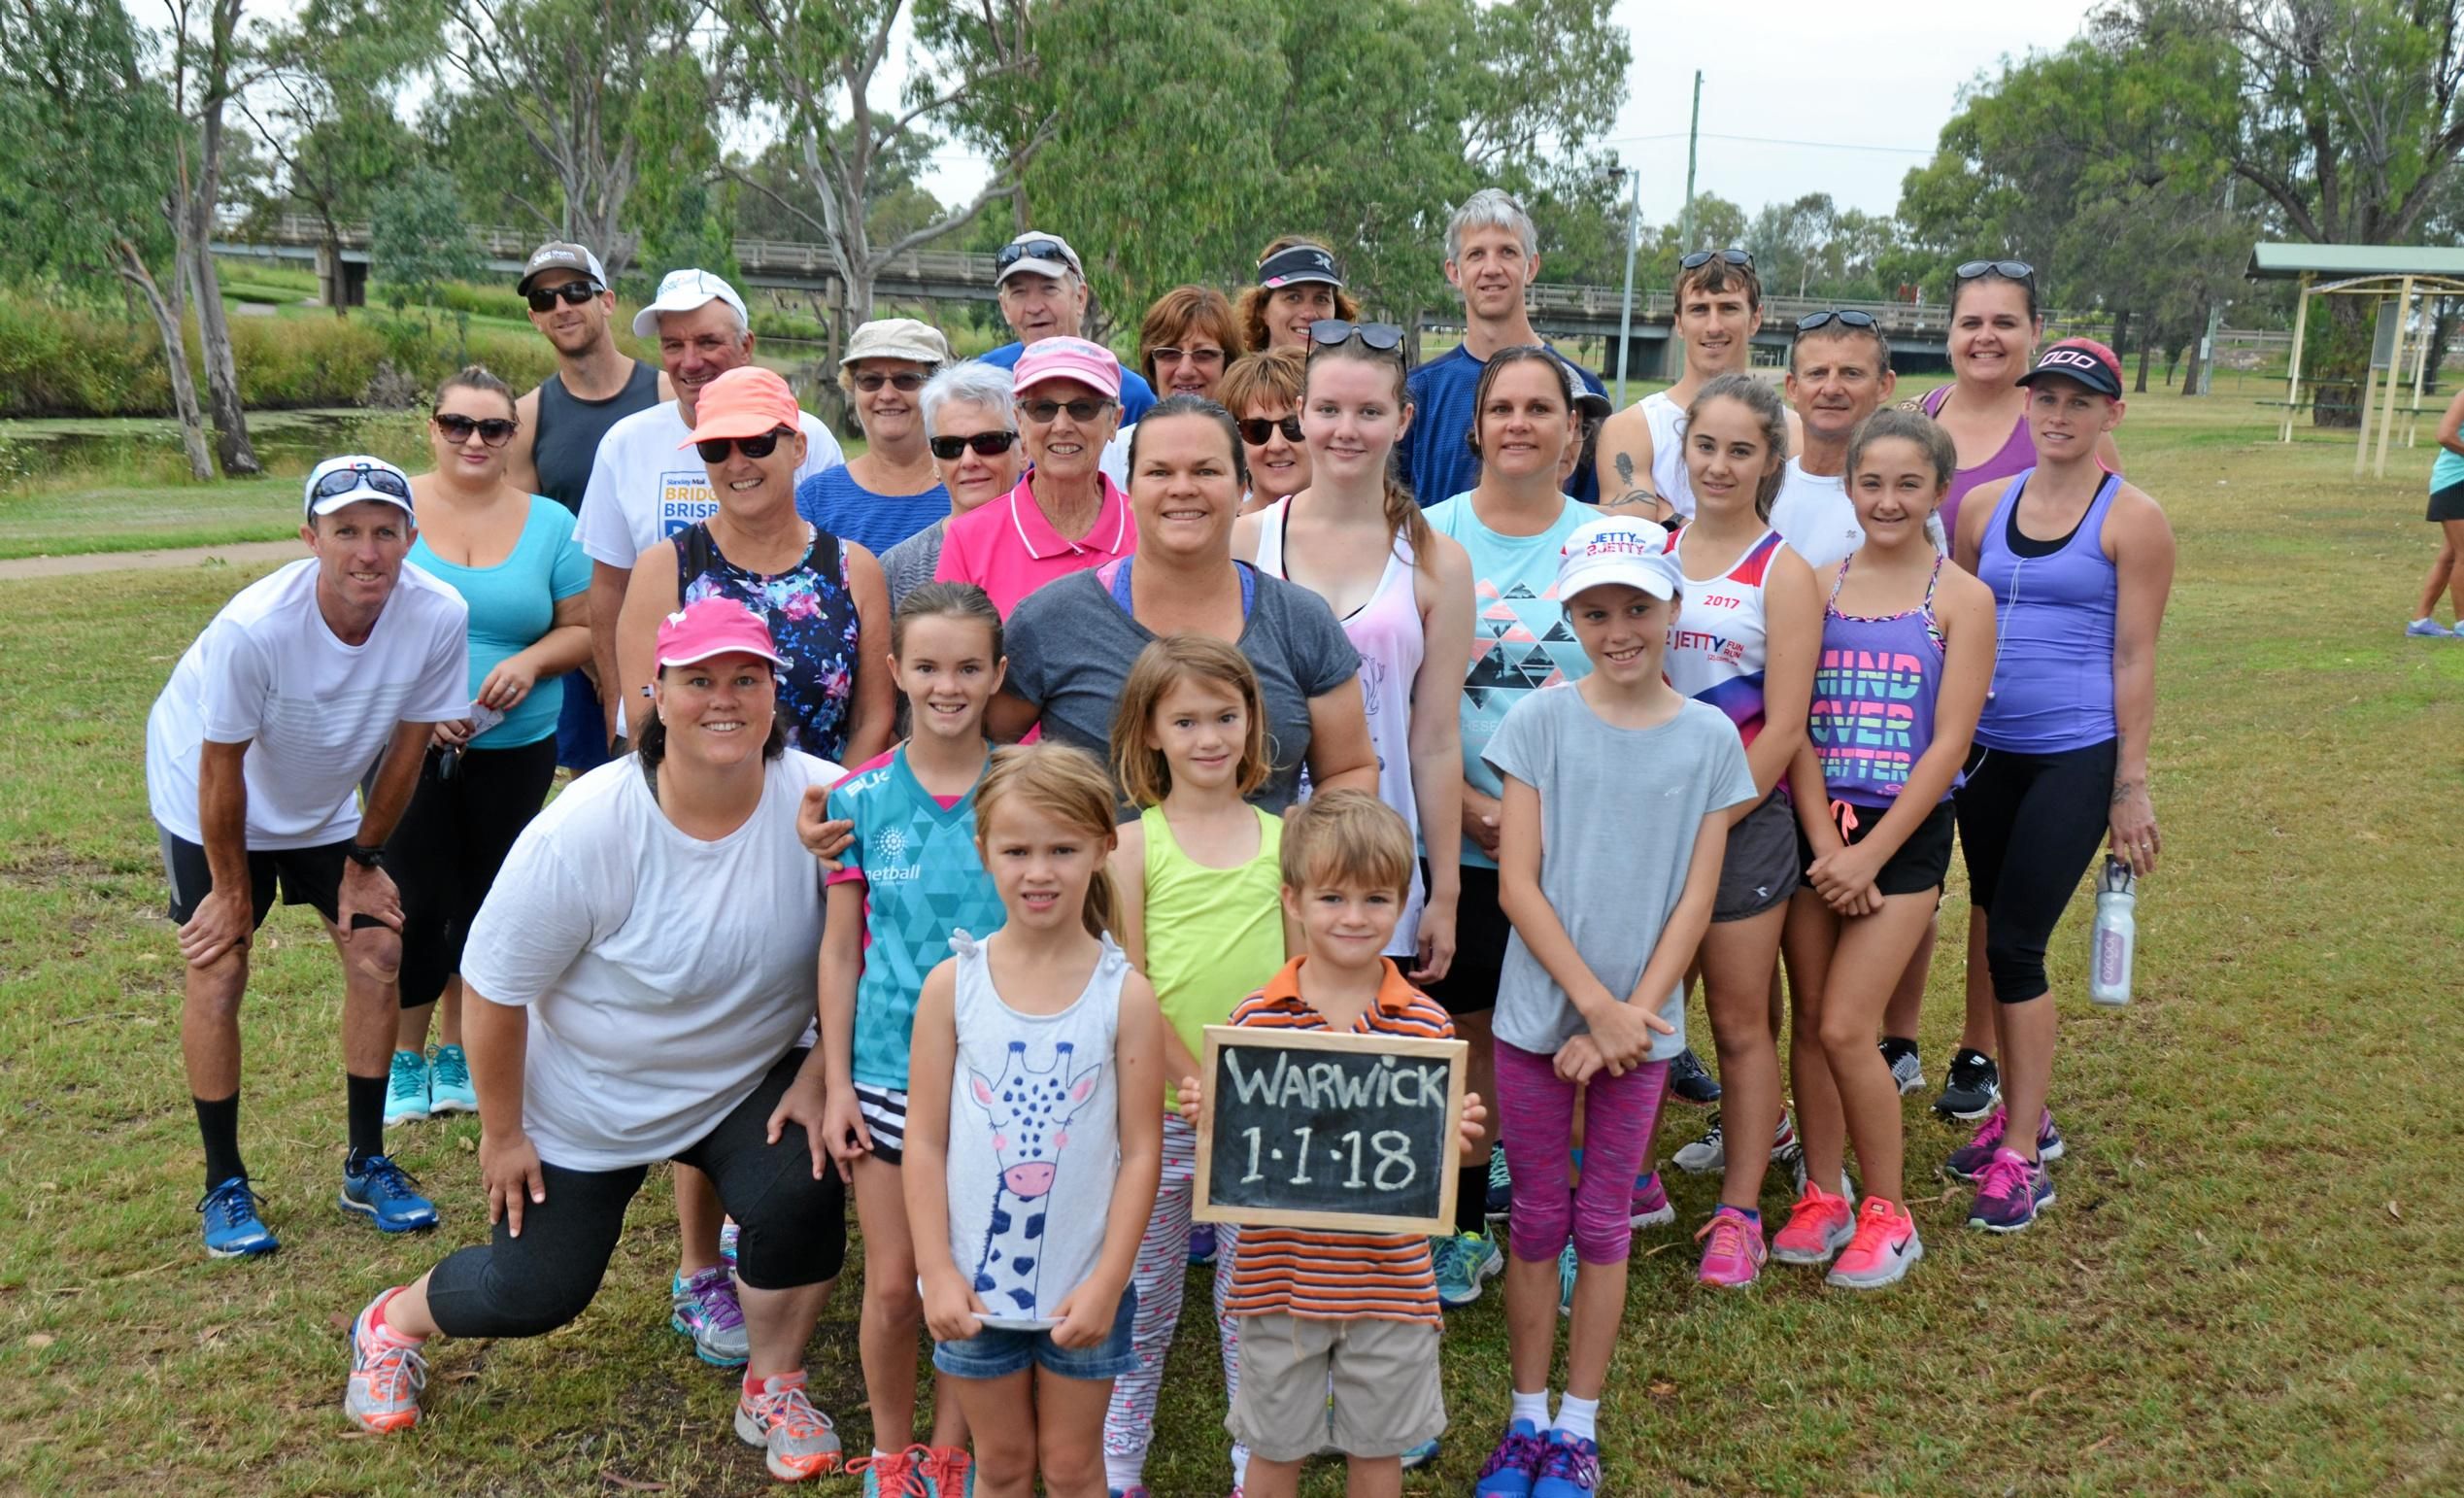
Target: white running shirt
[[645, 486]]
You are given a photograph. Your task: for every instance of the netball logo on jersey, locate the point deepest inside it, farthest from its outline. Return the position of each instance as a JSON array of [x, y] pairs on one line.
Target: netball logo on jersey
[[890, 861]]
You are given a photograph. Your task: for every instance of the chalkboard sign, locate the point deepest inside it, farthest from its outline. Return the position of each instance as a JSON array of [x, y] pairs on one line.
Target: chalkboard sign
[[1315, 1129]]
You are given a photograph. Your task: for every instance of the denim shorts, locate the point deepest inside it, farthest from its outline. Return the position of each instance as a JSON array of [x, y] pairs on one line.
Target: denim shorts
[[997, 1353]]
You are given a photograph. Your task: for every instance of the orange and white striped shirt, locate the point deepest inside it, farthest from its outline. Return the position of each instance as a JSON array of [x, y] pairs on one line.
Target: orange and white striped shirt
[[1337, 1276]]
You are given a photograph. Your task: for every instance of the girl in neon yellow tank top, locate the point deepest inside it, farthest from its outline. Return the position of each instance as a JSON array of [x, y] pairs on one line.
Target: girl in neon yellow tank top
[[1202, 915]]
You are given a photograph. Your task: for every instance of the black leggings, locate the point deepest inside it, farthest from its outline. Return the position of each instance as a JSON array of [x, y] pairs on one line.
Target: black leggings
[[444, 852], [791, 1228], [2056, 809]]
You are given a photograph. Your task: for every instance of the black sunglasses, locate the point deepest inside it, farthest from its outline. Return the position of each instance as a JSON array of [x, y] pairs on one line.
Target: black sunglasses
[[1845, 317], [2008, 270], [1381, 337], [1702, 258], [987, 444], [493, 430], [1041, 412], [343, 481], [1032, 249], [573, 293], [1255, 429], [714, 449], [905, 384]]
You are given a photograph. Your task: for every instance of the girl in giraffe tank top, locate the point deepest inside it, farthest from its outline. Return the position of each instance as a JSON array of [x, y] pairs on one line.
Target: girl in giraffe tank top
[[1356, 538], [1035, 1146], [1747, 631]]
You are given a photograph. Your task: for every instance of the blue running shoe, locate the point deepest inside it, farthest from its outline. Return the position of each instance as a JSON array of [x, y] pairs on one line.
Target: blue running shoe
[[1202, 1243], [387, 1195], [232, 1228], [449, 1088], [1514, 1465], [2009, 1194], [1421, 1455], [1569, 1468], [2425, 629]]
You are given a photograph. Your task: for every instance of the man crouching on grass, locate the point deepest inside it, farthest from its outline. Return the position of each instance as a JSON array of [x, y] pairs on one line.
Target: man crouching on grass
[[252, 755], [1356, 1313]]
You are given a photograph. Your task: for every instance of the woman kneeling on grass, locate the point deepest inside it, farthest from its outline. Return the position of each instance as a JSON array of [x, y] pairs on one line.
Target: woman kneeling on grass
[[1907, 649], [638, 983]]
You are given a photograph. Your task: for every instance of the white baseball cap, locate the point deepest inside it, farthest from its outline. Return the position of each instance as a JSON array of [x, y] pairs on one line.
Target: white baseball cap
[[1615, 549], [338, 482], [683, 290]]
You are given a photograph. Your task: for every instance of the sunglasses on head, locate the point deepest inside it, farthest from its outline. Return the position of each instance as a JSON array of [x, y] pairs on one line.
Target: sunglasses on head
[[1255, 429], [714, 449], [1702, 258], [907, 384], [493, 430], [2008, 270], [1384, 337], [1173, 356], [987, 444], [343, 481], [1042, 412], [573, 293], [1031, 249], [1845, 317]]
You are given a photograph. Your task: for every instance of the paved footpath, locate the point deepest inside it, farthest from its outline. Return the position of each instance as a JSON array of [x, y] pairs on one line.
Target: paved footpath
[[238, 553]]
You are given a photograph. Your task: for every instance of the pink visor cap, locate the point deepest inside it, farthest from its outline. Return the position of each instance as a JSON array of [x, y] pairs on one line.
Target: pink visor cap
[[713, 627], [1091, 364]]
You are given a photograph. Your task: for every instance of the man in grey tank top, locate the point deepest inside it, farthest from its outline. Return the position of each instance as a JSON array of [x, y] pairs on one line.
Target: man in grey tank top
[[561, 423]]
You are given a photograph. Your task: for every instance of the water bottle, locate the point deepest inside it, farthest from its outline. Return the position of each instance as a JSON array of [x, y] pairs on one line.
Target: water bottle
[[2115, 936]]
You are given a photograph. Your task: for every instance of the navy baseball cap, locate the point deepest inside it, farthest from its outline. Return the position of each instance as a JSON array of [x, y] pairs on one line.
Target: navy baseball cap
[[2082, 361]]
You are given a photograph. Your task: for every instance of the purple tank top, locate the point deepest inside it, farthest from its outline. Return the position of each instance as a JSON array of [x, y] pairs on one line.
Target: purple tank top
[[2054, 604], [1874, 687], [2016, 455]]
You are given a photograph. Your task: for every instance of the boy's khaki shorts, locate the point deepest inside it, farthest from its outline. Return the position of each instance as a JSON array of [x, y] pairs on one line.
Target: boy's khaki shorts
[[1384, 1374]]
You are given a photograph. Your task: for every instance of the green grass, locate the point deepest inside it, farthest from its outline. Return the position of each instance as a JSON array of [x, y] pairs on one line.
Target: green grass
[[2250, 1284]]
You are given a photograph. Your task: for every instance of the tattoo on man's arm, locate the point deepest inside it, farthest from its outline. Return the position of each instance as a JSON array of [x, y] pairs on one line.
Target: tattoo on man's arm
[[1626, 469]]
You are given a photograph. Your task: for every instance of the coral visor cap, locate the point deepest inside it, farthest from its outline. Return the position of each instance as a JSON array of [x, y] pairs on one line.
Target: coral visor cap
[[713, 627], [746, 401]]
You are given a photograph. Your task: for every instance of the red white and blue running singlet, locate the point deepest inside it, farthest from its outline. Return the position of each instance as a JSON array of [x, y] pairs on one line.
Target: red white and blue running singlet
[[1718, 644]]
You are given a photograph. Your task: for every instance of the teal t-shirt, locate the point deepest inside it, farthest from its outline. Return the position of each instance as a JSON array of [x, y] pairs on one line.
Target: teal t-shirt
[[2445, 471], [512, 605], [1520, 641], [923, 880]]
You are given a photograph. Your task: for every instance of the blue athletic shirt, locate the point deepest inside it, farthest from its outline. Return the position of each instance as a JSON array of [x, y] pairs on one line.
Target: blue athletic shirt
[[512, 605], [1137, 396], [923, 880], [1436, 457], [1520, 641], [835, 501]]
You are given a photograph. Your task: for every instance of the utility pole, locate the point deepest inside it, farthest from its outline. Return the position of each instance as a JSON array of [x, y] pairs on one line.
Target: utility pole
[[1625, 319], [1693, 135], [2216, 319]]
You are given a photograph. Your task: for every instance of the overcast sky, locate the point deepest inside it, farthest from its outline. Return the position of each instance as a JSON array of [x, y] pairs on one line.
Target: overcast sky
[[1882, 78]]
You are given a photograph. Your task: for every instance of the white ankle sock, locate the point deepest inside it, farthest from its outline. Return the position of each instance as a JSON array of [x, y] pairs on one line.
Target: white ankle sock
[[1530, 1406], [1578, 1418]]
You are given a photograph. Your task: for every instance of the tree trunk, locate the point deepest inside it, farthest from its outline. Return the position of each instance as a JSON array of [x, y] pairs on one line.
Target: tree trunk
[[2121, 332], [196, 200], [133, 273], [2441, 329], [2146, 342]]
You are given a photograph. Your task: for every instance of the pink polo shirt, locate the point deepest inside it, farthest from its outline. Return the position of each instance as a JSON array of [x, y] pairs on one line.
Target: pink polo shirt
[[1009, 550]]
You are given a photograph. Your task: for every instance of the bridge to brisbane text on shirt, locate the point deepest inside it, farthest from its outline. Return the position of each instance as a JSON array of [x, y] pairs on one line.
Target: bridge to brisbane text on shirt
[[1315, 1129]]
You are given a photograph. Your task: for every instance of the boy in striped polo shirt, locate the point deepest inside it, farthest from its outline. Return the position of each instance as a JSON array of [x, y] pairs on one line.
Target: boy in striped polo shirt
[[1356, 1311]]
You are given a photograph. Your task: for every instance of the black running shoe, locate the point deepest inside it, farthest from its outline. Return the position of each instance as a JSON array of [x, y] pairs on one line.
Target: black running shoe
[[1974, 1088], [1907, 1069], [1692, 1083]]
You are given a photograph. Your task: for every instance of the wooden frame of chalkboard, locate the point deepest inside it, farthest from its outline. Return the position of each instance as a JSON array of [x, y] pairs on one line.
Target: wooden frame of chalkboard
[[1454, 1054]]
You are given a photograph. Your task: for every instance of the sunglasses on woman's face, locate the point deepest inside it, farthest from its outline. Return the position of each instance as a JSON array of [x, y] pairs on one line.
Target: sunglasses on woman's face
[[1702, 258], [715, 449], [987, 444], [1042, 412], [2008, 270], [904, 384], [573, 293], [1381, 337], [493, 430], [1256, 430]]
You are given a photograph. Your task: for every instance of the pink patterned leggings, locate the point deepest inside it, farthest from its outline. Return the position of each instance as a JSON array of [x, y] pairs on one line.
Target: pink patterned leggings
[[1537, 1109]]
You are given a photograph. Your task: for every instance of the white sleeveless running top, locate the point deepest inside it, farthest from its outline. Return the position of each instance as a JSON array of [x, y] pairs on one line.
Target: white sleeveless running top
[[1718, 644], [1669, 475], [1387, 633]]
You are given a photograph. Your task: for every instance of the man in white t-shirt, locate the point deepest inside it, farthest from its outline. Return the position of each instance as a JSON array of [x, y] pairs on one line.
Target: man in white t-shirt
[[1838, 374], [643, 488], [254, 753]]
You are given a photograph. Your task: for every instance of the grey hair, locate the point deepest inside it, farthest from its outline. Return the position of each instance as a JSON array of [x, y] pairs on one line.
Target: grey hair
[[969, 382], [1490, 208]]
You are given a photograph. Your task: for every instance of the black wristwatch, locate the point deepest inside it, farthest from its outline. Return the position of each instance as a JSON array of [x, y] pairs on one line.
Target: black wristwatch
[[365, 856]]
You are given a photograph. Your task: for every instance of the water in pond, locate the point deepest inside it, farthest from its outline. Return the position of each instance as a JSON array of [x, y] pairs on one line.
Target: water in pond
[[145, 451]]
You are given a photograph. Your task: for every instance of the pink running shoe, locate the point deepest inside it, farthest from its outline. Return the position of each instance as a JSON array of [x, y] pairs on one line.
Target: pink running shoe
[[1736, 1252], [1885, 1246], [387, 1373], [1649, 1206], [1969, 1161], [1819, 1226]]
